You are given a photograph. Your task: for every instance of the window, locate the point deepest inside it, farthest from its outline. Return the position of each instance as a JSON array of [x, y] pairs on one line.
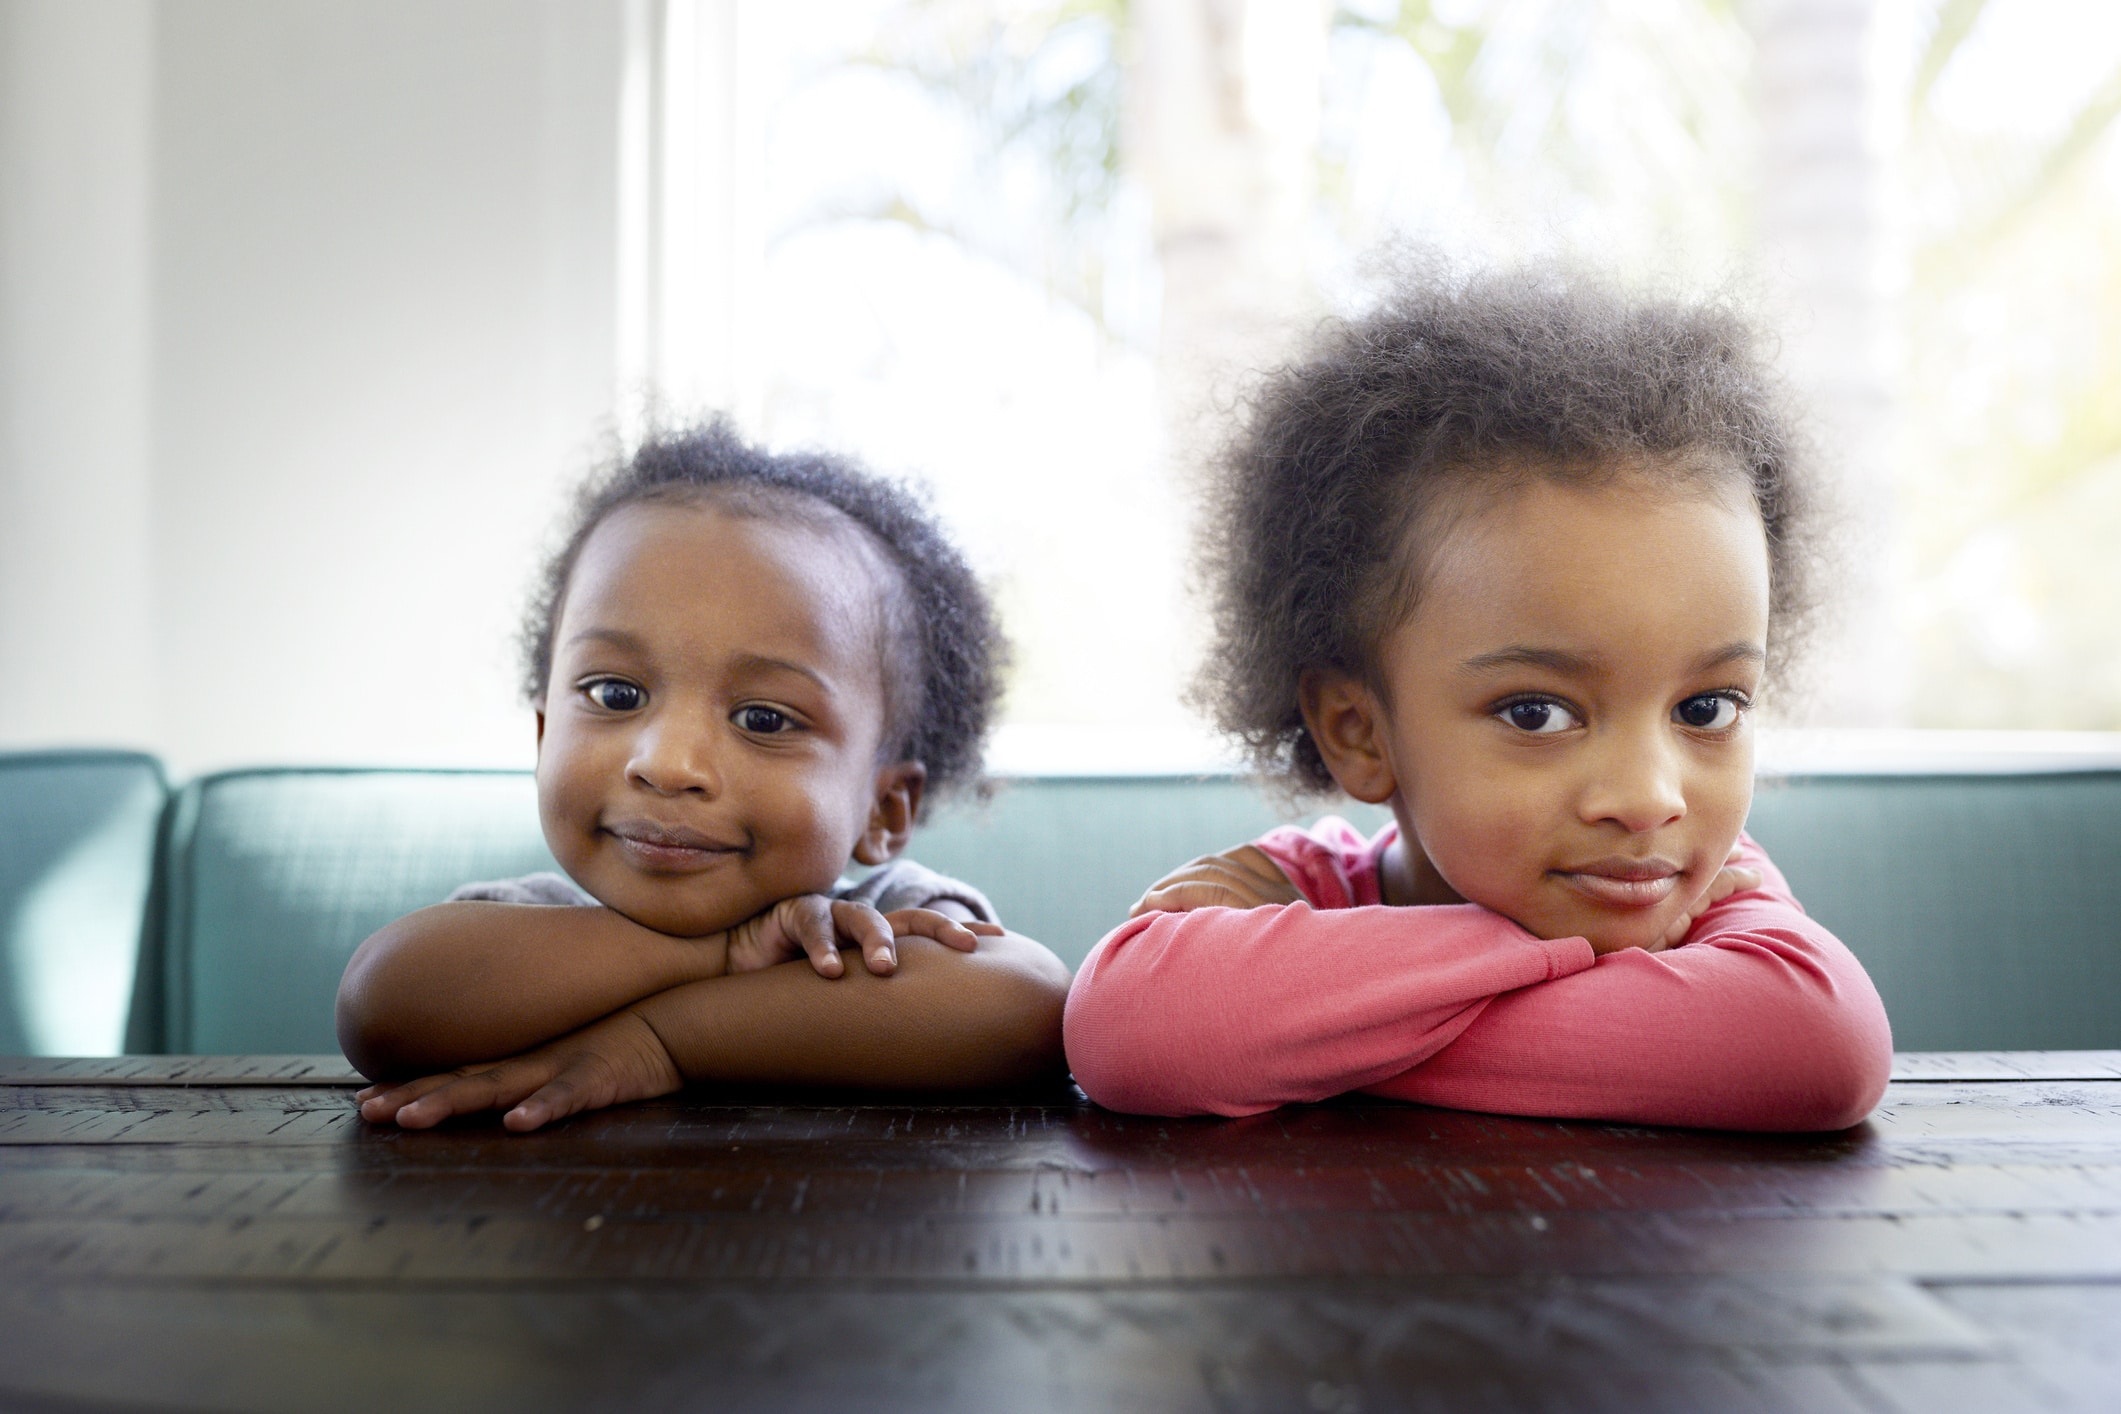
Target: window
[[1026, 252]]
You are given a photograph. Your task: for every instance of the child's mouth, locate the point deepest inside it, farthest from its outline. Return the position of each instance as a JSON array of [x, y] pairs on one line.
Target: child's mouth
[[668, 847], [1624, 883]]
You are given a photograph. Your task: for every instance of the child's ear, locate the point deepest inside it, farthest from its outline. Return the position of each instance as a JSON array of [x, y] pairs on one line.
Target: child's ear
[[538, 708], [891, 815], [1347, 724]]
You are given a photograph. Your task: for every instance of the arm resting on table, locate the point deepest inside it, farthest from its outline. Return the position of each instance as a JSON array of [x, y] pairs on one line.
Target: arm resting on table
[[465, 982], [945, 1020], [1761, 1020], [1233, 1011]]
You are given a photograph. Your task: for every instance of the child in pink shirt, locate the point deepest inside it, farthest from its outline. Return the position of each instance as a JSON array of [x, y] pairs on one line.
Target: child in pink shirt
[[1514, 555]]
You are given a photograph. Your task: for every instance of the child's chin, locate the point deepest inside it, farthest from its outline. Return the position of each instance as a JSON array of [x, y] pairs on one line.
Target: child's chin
[[681, 919], [1610, 934]]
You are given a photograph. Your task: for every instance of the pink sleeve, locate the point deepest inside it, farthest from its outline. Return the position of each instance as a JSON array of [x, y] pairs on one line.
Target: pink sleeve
[[1762, 1020], [1233, 1011], [1331, 864]]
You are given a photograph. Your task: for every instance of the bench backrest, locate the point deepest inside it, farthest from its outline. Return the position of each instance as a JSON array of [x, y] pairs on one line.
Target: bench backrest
[[1987, 907], [270, 879], [77, 835]]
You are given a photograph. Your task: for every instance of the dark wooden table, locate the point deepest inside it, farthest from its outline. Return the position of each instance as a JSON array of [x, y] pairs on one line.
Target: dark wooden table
[[224, 1233]]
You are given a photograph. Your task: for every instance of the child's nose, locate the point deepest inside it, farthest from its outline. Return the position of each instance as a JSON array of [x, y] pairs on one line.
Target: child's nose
[[672, 756], [1637, 781]]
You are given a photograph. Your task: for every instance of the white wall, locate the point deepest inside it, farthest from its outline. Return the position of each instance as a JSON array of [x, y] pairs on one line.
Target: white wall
[[77, 656], [334, 284]]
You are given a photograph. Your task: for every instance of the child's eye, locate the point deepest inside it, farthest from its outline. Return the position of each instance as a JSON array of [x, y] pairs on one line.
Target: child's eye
[[762, 721], [1538, 717], [615, 695], [1710, 712]]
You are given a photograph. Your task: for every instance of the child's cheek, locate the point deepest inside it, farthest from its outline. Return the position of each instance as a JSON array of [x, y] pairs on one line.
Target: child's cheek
[[807, 828], [571, 797], [1484, 855]]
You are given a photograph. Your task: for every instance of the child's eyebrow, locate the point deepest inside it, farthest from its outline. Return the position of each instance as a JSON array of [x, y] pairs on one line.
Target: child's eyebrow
[[1519, 655], [1560, 660], [759, 663], [1740, 651], [617, 638]]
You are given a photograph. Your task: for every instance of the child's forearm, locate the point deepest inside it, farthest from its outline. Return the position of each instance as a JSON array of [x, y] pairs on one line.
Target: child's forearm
[[944, 1020], [465, 982], [1234, 1012], [1762, 1021]]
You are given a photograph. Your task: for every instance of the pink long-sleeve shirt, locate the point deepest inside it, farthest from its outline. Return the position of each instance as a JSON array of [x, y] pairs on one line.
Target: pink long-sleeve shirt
[[1760, 1020]]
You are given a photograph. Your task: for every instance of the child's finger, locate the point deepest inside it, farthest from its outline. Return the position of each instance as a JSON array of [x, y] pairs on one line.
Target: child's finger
[[868, 931], [380, 1103], [1153, 902], [557, 1098], [809, 921], [587, 1081], [1157, 900], [1728, 881], [1245, 877], [1186, 896], [466, 1094], [941, 927], [1147, 902], [1256, 865], [1168, 881], [1204, 879]]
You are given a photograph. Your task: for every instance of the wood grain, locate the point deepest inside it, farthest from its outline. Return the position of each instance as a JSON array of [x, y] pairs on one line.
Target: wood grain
[[224, 1232]]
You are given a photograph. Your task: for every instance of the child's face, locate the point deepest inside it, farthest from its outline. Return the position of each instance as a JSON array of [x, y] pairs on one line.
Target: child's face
[[1567, 733], [708, 741]]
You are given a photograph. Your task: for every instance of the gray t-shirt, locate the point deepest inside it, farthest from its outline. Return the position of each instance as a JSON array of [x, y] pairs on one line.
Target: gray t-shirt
[[899, 884]]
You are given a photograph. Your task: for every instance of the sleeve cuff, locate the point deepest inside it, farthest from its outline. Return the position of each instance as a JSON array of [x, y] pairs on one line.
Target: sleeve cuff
[[1566, 956]]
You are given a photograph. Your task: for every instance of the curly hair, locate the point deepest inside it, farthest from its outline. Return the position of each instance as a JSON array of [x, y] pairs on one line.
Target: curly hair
[[1339, 474], [945, 653]]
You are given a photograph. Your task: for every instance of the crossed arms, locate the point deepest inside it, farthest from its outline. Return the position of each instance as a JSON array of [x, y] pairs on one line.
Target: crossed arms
[[1761, 1019], [546, 1011]]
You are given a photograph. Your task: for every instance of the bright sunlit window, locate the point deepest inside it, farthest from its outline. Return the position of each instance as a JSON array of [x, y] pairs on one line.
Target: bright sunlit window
[[1028, 253]]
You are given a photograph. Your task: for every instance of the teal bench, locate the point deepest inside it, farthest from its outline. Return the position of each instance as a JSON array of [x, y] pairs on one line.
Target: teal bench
[[1987, 907], [77, 833], [269, 879]]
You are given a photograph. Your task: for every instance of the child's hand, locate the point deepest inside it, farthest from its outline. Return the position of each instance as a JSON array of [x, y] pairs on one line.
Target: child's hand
[[1239, 878], [607, 1063], [813, 925], [1733, 878]]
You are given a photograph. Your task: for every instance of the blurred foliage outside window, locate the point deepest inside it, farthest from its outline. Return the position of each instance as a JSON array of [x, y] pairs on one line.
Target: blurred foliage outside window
[[997, 252]]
